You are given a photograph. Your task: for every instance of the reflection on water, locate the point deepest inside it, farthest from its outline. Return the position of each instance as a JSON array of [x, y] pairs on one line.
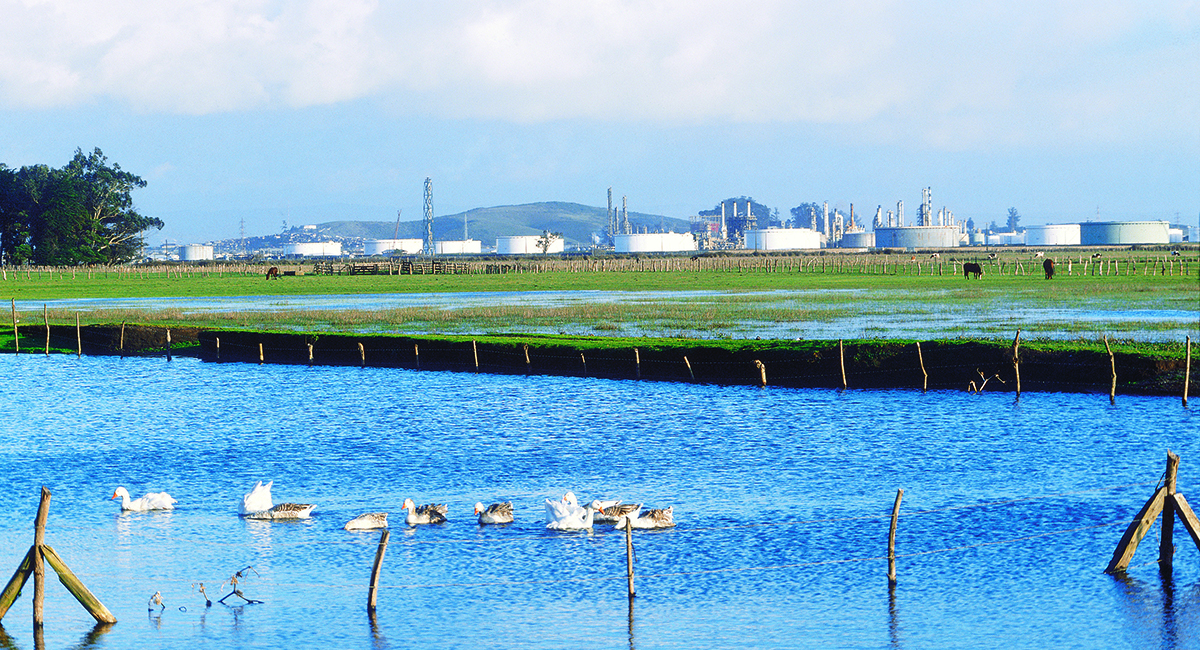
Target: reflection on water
[[1157, 617]]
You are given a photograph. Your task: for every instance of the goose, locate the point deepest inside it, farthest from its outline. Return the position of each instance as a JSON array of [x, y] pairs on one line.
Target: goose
[[575, 521], [258, 499], [608, 512], [367, 521], [565, 507], [434, 513], [497, 513], [285, 511], [656, 518], [150, 501]]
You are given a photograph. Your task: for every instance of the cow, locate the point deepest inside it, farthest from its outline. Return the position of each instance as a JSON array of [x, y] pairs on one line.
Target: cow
[[1039, 254], [1095, 256], [972, 267], [992, 256], [1048, 267], [935, 256], [273, 272]]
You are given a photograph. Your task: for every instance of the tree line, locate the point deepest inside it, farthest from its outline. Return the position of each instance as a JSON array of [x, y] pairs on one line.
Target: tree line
[[80, 214]]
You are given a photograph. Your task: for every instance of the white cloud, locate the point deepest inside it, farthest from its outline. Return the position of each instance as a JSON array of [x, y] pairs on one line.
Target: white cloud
[[949, 75]]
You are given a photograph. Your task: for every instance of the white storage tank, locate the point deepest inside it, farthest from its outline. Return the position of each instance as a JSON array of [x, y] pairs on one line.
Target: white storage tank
[[399, 246], [458, 247], [917, 237], [1175, 235], [654, 242], [1112, 233], [195, 252], [526, 245], [1062, 234], [857, 239], [1006, 239], [313, 249], [782, 239]]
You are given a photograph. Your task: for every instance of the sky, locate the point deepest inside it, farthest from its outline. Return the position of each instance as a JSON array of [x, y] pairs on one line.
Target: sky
[[266, 113]]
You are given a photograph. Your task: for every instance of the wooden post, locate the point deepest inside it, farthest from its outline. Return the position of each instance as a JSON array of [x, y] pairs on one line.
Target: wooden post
[[1135, 532], [584, 361], [842, 361], [417, 356], [693, 375], [1016, 365], [379, 553], [310, 354], [924, 375], [475, 353], [1166, 542], [1112, 393], [362, 355], [637, 362], [762, 373], [260, 353], [46, 319], [168, 344], [122, 343], [892, 538], [16, 332], [629, 555], [1187, 370], [39, 568], [78, 339], [13, 589], [218, 348], [528, 366], [77, 588]]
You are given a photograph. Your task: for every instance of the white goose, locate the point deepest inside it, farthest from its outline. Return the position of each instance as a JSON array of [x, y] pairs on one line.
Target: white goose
[[258, 499], [434, 513], [149, 501], [497, 513], [575, 521], [368, 521], [656, 518], [563, 508]]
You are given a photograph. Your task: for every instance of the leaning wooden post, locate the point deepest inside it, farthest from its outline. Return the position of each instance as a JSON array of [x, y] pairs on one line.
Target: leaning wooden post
[[1187, 370], [310, 354], [168, 344], [260, 353], [78, 339], [924, 375], [362, 355], [121, 345], [1166, 542], [583, 360], [46, 319], [39, 567], [1016, 365], [16, 332], [762, 373], [475, 353], [842, 362], [693, 375], [1112, 392], [637, 362], [76, 587], [629, 555], [528, 366], [417, 356], [13, 589], [379, 552], [218, 348], [892, 538]]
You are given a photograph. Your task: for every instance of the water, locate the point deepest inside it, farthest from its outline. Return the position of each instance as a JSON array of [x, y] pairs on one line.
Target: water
[[782, 499]]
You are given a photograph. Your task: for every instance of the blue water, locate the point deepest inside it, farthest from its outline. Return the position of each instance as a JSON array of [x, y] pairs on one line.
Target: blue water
[[782, 497]]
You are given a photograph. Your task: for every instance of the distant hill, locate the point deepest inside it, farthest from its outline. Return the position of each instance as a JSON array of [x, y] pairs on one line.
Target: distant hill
[[576, 222]]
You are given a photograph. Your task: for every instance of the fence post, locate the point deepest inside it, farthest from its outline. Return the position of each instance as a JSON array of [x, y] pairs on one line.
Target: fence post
[[1187, 370], [924, 375], [1016, 365], [637, 362], [16, 332], [629, 555], [1112, 393], [39, 567], [46, 319], [310, 354], [417, 355], [375, 569], [584, 361], [842, 362], [1166, 542], [693, 375], [168, 344], [362, 355], [218, 339], [78, 339], [475, 353], [121, 345], [528, 366], [892, 538]]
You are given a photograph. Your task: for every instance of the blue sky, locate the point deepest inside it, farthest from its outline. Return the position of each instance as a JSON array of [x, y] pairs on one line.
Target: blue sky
[[313, 110]]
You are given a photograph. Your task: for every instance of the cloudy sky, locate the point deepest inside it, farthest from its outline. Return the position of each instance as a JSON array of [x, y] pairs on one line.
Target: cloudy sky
[[302, 111]]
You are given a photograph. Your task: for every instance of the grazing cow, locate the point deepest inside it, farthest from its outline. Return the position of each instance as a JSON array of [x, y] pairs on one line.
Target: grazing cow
[[972, 268], [935, 256], [1095, 256], [1048, 267], [1174, 253], [1039, 254], [992, 256], [273, 272]]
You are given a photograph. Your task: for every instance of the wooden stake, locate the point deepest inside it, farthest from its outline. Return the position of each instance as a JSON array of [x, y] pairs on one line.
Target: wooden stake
[[379, 553], [924, 375], [218, 348], [584, 361], [46, 318], [637, 362], [1016, 365], [1135, 532], [1112, 393], [16, 332], [362, 355], [39, 568], [762, 373], [892, 538], [78, 339], [310, 354], [417, 356], [475, 353], [13, 589], [528, 366], [629, 555], [1190, 522], [260, 353], [77, 588], [1187, 370], [842, 361], [689, 367], [168, 344], [1166, 541], [122, 344]]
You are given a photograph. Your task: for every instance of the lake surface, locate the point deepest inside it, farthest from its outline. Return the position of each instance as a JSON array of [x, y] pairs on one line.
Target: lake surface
[[782, 497]]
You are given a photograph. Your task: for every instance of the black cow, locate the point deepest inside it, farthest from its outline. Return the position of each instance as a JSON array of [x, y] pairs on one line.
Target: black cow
[[972, 267], [273, 272], [1048, 267]]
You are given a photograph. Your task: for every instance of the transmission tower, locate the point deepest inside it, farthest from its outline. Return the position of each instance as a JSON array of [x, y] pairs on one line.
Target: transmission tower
[[428, 216]]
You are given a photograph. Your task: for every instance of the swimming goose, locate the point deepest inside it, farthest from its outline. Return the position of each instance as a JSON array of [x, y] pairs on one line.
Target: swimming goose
[[285, 511], [497, 513], [434, 513], [367, 521], [567, 506], [150, 501], [656, 518], [608, 512], [575, 521], [258, 499]]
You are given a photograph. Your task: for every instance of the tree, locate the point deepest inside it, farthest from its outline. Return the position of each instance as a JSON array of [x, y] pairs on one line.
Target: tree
[[547, 239], [1014, 218], [105, 190]]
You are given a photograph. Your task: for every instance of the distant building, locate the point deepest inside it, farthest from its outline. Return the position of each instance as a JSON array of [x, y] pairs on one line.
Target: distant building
[[458, 247], [195, 252], [654, 242], [527, 245], [396, 246], [313, 249]]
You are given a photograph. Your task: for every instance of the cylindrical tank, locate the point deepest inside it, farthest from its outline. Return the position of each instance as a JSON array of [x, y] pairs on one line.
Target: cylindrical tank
[[313, 249], [781, 239], [400, 246], [1006, 239], [858, 239], [458, 247], [654, 242], [917, 237], [526, 245], [1175, 235], [1104, 233], [1062, 234], [195, 252]]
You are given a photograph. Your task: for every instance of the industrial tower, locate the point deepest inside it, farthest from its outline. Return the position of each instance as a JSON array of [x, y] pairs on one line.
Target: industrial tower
[[428, 216]]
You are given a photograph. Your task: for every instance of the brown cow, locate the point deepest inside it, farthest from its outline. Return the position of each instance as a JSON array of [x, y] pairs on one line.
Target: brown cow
[[273, 272], [1048, 267], [970, 268]]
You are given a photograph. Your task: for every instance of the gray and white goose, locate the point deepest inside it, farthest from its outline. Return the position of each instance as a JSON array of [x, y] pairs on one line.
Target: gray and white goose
[[655, 518], [434, 513], [497, 513]]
